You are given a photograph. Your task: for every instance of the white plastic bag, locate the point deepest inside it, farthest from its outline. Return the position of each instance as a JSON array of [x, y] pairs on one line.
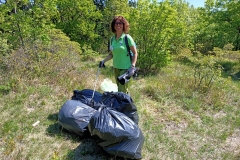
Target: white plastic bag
[[108, 86]]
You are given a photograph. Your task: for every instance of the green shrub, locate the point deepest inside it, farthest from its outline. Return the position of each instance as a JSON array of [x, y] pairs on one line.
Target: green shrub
[[206, 71], [228, 47], [55, 57], [4, 47]]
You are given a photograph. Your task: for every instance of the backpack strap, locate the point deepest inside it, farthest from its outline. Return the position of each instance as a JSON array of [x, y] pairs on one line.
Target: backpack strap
[[128, 48], [110, 43]]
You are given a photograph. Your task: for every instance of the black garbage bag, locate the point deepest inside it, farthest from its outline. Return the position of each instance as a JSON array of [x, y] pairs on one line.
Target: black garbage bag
[[119, 134], [130, 148], [122, 102], [74, 116], [86, 97]]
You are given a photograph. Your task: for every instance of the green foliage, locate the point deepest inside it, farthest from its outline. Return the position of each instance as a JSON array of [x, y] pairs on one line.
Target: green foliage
[[152, 27], [218, 52], [117, 7], [218, 25], [196, 93], [77, 20], [4, 50], [183, 26], [24, 22], [184, 55], [206, 71], [4, 47], [36, 61], [228, 47], [229, 60]]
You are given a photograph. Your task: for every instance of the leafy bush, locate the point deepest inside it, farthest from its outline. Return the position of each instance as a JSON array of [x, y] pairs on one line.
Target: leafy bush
[[4, 47], [44, 58], [206, 71], [229, 60], [183, 55], [228, 47]]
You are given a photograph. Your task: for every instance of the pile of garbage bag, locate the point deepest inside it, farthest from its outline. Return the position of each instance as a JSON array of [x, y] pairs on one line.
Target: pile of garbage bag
[[111, 116]]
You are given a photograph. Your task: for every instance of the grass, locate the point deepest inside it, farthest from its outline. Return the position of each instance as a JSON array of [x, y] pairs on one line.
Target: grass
[[178, 120]]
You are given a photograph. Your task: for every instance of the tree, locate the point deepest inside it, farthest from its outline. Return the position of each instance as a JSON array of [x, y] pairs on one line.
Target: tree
[[221, 24], [26, 21], [77, 19], [184, 26], [152, 26]]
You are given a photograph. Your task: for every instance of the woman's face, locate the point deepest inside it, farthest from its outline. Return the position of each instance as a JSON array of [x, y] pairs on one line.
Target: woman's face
[[118, 25]]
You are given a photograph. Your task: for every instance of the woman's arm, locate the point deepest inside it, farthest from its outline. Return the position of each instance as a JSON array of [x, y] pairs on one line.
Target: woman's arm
[[110, 56], [135, 55]]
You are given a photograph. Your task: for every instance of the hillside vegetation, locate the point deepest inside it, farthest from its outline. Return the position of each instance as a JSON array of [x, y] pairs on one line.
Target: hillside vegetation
[[187, 90], [188, 110]]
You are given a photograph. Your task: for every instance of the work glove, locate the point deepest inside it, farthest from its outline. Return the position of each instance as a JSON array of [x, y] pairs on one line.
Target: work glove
[[101, 64], [131, 71]]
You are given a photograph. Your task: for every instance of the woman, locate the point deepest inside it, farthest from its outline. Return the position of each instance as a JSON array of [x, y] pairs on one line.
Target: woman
[[122, 62]]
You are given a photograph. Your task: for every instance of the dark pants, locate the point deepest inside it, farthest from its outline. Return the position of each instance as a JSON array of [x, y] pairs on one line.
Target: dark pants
[[122, 88]]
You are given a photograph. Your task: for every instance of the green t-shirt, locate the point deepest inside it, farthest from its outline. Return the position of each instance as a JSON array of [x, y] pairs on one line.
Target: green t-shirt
[[121, 59]]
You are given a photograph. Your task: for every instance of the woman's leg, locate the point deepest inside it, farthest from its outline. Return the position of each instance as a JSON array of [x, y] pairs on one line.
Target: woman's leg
[[121, 88]]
